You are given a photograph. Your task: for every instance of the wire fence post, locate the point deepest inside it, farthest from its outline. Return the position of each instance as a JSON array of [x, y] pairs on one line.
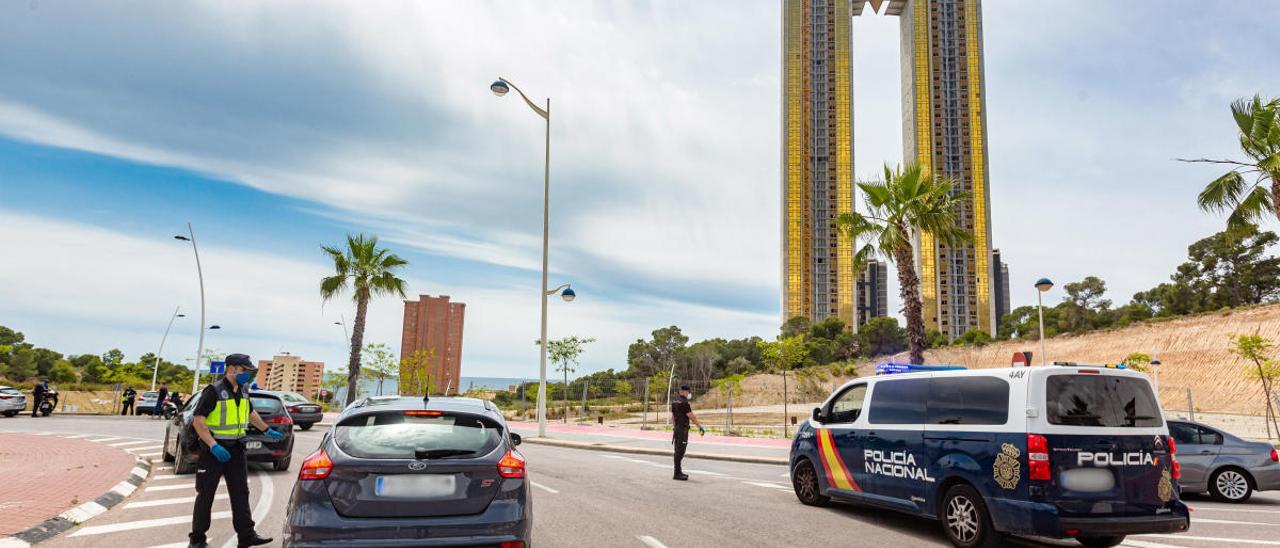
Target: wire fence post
[[523, 388], [582, 412], [728, 413], [1191, 409], [644, 417]]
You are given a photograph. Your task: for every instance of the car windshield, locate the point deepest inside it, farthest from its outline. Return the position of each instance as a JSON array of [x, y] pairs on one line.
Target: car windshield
[[395, 435], [1109, 401], [263, 404], [293, 398]]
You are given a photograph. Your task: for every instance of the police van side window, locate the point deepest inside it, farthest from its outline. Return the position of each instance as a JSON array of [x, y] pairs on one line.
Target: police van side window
[[848, 405], [968, 400], [899, 401]]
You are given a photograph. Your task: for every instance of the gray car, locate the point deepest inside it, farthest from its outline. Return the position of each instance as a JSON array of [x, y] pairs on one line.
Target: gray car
[[12, 401], [1228, 468], [399, 471]]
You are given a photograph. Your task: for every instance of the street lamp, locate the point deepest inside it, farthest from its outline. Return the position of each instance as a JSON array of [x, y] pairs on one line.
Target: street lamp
[[1155, 366], [195, 381], [500, 87], [191, 237], [155, 371], [1043, 284]]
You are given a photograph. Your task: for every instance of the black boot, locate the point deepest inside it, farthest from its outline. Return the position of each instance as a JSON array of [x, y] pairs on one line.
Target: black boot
[[198, 545], [680, 476], [255, 540]]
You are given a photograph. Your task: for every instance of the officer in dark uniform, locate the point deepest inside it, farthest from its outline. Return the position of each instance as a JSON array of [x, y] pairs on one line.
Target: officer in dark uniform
[[127, 399], [37, 396], [681, 414], [221, 420]]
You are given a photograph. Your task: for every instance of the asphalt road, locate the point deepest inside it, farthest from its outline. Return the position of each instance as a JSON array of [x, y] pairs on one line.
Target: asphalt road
[[594, 498]]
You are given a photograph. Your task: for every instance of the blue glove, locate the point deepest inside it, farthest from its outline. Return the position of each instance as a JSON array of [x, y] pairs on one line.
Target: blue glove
[[220, 453], [702, 431], [275, 435]]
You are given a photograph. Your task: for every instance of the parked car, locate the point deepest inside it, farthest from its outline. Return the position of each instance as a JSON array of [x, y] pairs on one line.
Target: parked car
[[305, 413], [182, 445], [12, 401], [145, 403], [1228, 468], [400, 471]]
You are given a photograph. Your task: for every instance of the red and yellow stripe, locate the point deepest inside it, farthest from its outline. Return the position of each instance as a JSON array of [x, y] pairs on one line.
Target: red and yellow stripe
[[838, 475]]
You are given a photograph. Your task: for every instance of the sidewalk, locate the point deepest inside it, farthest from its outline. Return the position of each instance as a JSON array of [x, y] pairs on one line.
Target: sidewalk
[[656, 442], [44, 476]]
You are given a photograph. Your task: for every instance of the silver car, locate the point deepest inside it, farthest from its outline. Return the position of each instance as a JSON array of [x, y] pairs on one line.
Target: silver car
[[12, 401], [1228, 468]]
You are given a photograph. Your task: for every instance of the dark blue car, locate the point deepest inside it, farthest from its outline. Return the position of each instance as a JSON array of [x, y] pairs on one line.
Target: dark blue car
[[400, 471], [1065, 451]]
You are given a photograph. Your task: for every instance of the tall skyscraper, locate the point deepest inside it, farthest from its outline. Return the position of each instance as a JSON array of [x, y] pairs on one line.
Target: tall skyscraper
[[431, 345], [1000, 286], [817, 159], [872, 292], [288, 373]]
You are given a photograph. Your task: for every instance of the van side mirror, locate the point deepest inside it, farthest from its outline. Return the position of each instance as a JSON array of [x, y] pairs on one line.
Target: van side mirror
[[515, 439], [817, 414]]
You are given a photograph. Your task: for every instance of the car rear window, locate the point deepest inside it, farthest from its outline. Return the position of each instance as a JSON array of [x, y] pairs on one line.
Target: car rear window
[[1110, 401], [10, 391], [266, 405], [395, 435]]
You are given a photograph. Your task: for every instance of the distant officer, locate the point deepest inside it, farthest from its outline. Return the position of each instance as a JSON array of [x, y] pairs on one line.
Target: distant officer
[[221, 419], [37, 396], [161, 394], [681, 414], [126, 401]]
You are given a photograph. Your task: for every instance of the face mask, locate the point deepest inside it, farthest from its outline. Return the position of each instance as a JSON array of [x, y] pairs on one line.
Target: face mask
[[243, 377]]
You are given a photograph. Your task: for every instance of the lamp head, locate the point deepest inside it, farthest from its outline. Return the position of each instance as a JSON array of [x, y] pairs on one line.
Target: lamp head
[[182, 315], [215, 327], [568, 295], [1043, 284], [499, 88], [183, 238]]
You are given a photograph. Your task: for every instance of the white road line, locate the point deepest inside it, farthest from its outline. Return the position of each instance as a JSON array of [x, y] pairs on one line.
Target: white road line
[[263, 507], [77, 436], [142, 524], [704, 472], [650, 541], [1232, 510], [148, 455], [1217, 539], [172, 545], [1143, 544], [100, 440], [769, 485], [170, 487], [544, 488], [165, 467], [166, 477], [13, 542], [1233, 522], [149, 448], [51, 434], [166, 502], [124, 443], [785, 475]]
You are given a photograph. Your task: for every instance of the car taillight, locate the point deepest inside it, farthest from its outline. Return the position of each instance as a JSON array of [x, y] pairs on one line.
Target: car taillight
[[1275, 457], [513, 544], [1037, 457], [280, 419], [511, 465], [1175, 467], [5, 396], [294, 409], [316, 467]]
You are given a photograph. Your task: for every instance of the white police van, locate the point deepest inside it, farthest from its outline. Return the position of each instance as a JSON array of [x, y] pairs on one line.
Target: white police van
[[1065, 451]]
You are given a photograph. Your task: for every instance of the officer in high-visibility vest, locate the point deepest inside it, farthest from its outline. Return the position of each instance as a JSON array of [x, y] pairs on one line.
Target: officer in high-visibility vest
[[221, 419]]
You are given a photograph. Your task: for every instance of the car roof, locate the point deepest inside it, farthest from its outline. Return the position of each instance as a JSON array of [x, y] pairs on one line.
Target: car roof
[[263, 393], [374, 404]]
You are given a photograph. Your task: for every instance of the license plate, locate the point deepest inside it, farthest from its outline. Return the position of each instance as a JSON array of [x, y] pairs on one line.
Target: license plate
[[253, 445], [415, 486], [310, 409]]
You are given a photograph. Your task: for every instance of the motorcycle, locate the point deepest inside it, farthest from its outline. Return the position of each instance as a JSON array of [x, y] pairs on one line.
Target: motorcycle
[[170, 410], [48, 402]]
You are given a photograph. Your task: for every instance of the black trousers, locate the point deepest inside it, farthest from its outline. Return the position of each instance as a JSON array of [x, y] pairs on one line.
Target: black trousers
[[127, 408], [680, 439], [208, 472]]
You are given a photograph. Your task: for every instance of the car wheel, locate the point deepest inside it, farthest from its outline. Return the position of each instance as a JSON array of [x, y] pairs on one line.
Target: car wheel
[[282, 464], [1101, 542], [1231, 485], [180, 463], [164, 449], [804, 479], [10, 413], [305, 426], [965, 519]]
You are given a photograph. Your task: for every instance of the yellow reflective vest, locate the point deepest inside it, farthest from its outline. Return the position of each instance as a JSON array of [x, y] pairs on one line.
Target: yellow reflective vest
[[229, 419]]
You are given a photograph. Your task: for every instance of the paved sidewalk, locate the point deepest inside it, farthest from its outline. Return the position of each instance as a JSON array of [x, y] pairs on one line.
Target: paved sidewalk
[[43, 476], [657, 442]]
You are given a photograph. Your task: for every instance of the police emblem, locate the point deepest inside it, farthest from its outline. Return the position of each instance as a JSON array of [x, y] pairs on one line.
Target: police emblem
[[1007, 468], [225, 395], [1165, 488]]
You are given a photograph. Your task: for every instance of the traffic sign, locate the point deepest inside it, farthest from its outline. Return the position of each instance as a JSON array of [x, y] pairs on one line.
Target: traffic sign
[[217, 367]]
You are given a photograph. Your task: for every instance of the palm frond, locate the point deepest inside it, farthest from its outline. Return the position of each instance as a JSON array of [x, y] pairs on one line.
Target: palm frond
[[1253, 208], [331, 286], [1223, 193]]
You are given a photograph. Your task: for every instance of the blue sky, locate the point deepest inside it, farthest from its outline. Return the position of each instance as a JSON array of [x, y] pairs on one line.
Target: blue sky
[[277, 127]]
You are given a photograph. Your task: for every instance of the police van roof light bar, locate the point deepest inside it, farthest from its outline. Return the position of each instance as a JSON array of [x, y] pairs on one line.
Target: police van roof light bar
[[890, 368], [1102, 365]]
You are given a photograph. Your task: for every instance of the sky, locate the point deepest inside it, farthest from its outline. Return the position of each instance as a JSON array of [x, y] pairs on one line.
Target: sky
[[275, 128]]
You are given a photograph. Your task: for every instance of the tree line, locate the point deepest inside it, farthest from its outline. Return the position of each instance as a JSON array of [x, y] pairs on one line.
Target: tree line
[[22, 362]]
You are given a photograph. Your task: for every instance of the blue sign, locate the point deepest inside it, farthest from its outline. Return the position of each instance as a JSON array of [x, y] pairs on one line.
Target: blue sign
[[894, 368], [216, 368]]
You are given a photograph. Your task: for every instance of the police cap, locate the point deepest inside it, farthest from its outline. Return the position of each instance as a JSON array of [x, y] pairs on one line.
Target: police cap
[[241, 360], [685, 387]]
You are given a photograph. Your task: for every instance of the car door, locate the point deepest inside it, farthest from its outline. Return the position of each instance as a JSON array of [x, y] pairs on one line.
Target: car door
[[1195, 456], [839, 445], [893, 453]]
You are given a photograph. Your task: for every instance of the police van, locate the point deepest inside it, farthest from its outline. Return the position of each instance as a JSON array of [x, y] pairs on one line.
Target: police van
[[1063, 451]]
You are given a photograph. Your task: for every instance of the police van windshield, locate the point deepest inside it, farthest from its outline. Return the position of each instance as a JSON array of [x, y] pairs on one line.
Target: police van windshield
[[1109, 401]]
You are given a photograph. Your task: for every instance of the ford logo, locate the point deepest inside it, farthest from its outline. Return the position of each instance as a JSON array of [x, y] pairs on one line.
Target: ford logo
[[417, 465]]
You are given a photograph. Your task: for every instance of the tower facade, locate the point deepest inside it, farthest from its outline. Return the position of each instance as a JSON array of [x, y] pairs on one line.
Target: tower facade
[[431, 345], [872, 292], [817, 159]]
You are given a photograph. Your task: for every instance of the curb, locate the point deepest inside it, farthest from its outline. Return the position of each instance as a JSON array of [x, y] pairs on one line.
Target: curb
[[56, 525], [649, 451]]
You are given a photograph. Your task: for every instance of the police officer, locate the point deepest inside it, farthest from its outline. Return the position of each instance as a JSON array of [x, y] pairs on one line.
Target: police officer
[[681, 414], [221, 419], [126, 401], [37, 396]]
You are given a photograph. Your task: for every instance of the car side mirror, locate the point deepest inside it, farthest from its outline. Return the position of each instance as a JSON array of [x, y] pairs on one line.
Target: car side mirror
[[515, 439], [817, 414]]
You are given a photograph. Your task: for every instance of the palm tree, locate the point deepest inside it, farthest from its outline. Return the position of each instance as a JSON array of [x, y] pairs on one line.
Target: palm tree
[[371, 272], [905, 204], [1249, 202]]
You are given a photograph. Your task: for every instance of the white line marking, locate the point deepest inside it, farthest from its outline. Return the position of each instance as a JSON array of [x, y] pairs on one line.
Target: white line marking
[[77, 436], [149, 455], [688, 471], [785, 475], [1143, 544], [83, 513], [170, 487], [100, 440], [52, 433], [1217, 539], [124, 443], [150, 448], [166, 477], [650, 541], [142, 524], [12, 542], [1233, 522], [544, 488], [1232, 510], [165, 467], [769, 485], [139, 471], [165, 502], [173, 545], [263, 507]]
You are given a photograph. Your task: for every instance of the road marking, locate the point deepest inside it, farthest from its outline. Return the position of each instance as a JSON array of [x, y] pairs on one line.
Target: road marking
[[1143, 544], [124, 488], [1233, 522], [1232, 510], [77, 436], [150, 448], [704, 472], [166, 477], [165, 502], [148, 455], [124, 443], [172, 545], [1218, 539], [170, 487], [769, 485], [165, 467], [142, 524], [785, 475], [543, 487], [100, 440], [53, 433], [138, 471], [83, 513], [13, 542], [263, 507], [651, 542]]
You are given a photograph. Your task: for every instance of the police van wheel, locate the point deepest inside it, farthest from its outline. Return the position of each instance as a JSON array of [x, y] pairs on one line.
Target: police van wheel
[[965, 519], [805, 481], [1101, 542], [1231, 485]]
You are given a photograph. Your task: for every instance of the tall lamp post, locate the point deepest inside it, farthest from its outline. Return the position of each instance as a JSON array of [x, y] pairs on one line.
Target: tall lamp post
[[1043, 285], [191, 237], [155, 371], [500, 87], [195, 382]]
